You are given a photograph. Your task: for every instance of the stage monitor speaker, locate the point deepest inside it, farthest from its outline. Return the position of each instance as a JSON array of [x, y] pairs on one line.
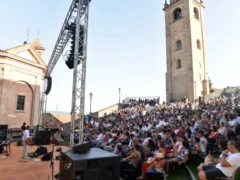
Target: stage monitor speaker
[[82, 148], [41, 150], [3, 132], [47, 157], [95, 164], [1, 149]]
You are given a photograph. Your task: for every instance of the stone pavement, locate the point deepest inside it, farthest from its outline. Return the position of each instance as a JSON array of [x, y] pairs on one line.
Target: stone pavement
[[11, 168]]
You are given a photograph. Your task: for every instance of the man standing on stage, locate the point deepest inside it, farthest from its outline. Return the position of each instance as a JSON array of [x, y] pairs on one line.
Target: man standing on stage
[[25, 145], [23, 126]]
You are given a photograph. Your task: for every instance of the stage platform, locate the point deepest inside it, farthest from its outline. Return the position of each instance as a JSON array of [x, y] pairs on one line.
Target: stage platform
[[11, 168]]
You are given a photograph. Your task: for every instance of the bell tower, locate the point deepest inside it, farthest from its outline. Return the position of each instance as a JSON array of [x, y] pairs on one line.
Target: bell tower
[[187, 72]]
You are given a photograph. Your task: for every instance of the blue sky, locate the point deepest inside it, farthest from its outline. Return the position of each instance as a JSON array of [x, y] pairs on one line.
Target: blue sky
[[126, 45]]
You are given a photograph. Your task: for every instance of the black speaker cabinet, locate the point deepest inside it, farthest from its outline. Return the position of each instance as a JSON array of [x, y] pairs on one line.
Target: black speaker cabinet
[[3, 132], [82, 148], [96, 164], [43, 137]]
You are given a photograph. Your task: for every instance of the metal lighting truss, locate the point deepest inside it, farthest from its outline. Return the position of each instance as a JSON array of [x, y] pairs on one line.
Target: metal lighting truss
[[77, 14]]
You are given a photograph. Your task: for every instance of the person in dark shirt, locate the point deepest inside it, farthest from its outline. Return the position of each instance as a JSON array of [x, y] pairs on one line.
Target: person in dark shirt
[[23, 126]]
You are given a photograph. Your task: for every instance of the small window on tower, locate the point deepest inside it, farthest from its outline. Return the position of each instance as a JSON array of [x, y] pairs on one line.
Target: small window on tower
[[179, 64], [200, 77], [177, 14], [198, 44], [196, 13], [200, 66], [20, 103], [178, 45]]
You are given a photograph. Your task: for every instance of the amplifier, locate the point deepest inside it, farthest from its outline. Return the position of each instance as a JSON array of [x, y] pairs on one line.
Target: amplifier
[[3, 132], [43, 137], [96, 164]]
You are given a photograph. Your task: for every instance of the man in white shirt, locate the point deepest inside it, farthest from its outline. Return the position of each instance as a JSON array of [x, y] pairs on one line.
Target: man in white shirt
[[227, 165], [100, 137], [232, 124], [238, 119], [25, 146]]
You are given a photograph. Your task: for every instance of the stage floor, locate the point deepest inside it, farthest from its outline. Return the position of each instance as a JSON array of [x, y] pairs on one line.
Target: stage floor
[[11, 168]]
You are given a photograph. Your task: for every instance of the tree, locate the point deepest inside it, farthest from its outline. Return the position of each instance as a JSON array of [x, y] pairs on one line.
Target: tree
[[210, 84]]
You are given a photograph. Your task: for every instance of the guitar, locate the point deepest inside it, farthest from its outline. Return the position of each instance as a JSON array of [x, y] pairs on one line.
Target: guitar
[[28, 141]]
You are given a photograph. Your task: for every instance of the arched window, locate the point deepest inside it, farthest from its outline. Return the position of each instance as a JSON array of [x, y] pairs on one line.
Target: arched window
[[178, 45], [179, 64], [177, 14], [196, 13], [198, 44]]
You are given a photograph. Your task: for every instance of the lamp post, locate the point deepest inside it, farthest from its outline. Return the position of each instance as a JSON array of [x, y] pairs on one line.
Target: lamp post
[[195, 91], [91, 95], [119, 89]]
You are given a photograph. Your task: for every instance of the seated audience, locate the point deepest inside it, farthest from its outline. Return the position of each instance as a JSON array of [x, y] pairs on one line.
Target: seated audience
[[226, 167]]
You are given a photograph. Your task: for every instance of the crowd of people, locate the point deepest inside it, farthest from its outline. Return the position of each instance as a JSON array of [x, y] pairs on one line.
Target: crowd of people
[[159, 138]]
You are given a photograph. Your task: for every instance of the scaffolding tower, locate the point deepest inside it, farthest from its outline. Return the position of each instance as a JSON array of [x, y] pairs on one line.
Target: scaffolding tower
[[77, 16]]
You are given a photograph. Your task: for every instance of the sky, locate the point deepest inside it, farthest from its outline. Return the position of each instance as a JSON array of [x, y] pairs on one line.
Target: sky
[[126, 46]]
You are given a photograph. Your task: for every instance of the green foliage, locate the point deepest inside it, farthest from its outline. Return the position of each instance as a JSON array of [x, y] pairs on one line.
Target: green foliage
[[210, 82]]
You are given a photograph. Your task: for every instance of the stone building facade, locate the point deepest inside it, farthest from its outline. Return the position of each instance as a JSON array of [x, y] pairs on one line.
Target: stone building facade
[[22, 69], [187, 70]]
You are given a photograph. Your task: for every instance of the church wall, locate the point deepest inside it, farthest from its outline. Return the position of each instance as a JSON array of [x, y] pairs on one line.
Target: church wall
[[27, 55], [20, 79]]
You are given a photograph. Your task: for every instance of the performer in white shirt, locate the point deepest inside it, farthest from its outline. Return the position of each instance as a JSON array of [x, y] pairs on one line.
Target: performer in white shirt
[[25, 145]]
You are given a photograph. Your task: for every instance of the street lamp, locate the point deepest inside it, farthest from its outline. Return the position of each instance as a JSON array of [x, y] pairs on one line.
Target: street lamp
[[119, 89], [195, 89], [91, 95]]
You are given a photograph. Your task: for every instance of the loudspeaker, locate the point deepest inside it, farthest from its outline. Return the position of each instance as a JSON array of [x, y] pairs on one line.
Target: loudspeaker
[[82, 148], [43, 137], [70, 63], [47, 157], [3, 132], [49, 85], [1, 149], [19, 143], [95, 164]]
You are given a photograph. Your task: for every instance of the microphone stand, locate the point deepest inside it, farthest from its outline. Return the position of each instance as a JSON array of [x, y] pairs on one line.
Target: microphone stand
[[52, 163]]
